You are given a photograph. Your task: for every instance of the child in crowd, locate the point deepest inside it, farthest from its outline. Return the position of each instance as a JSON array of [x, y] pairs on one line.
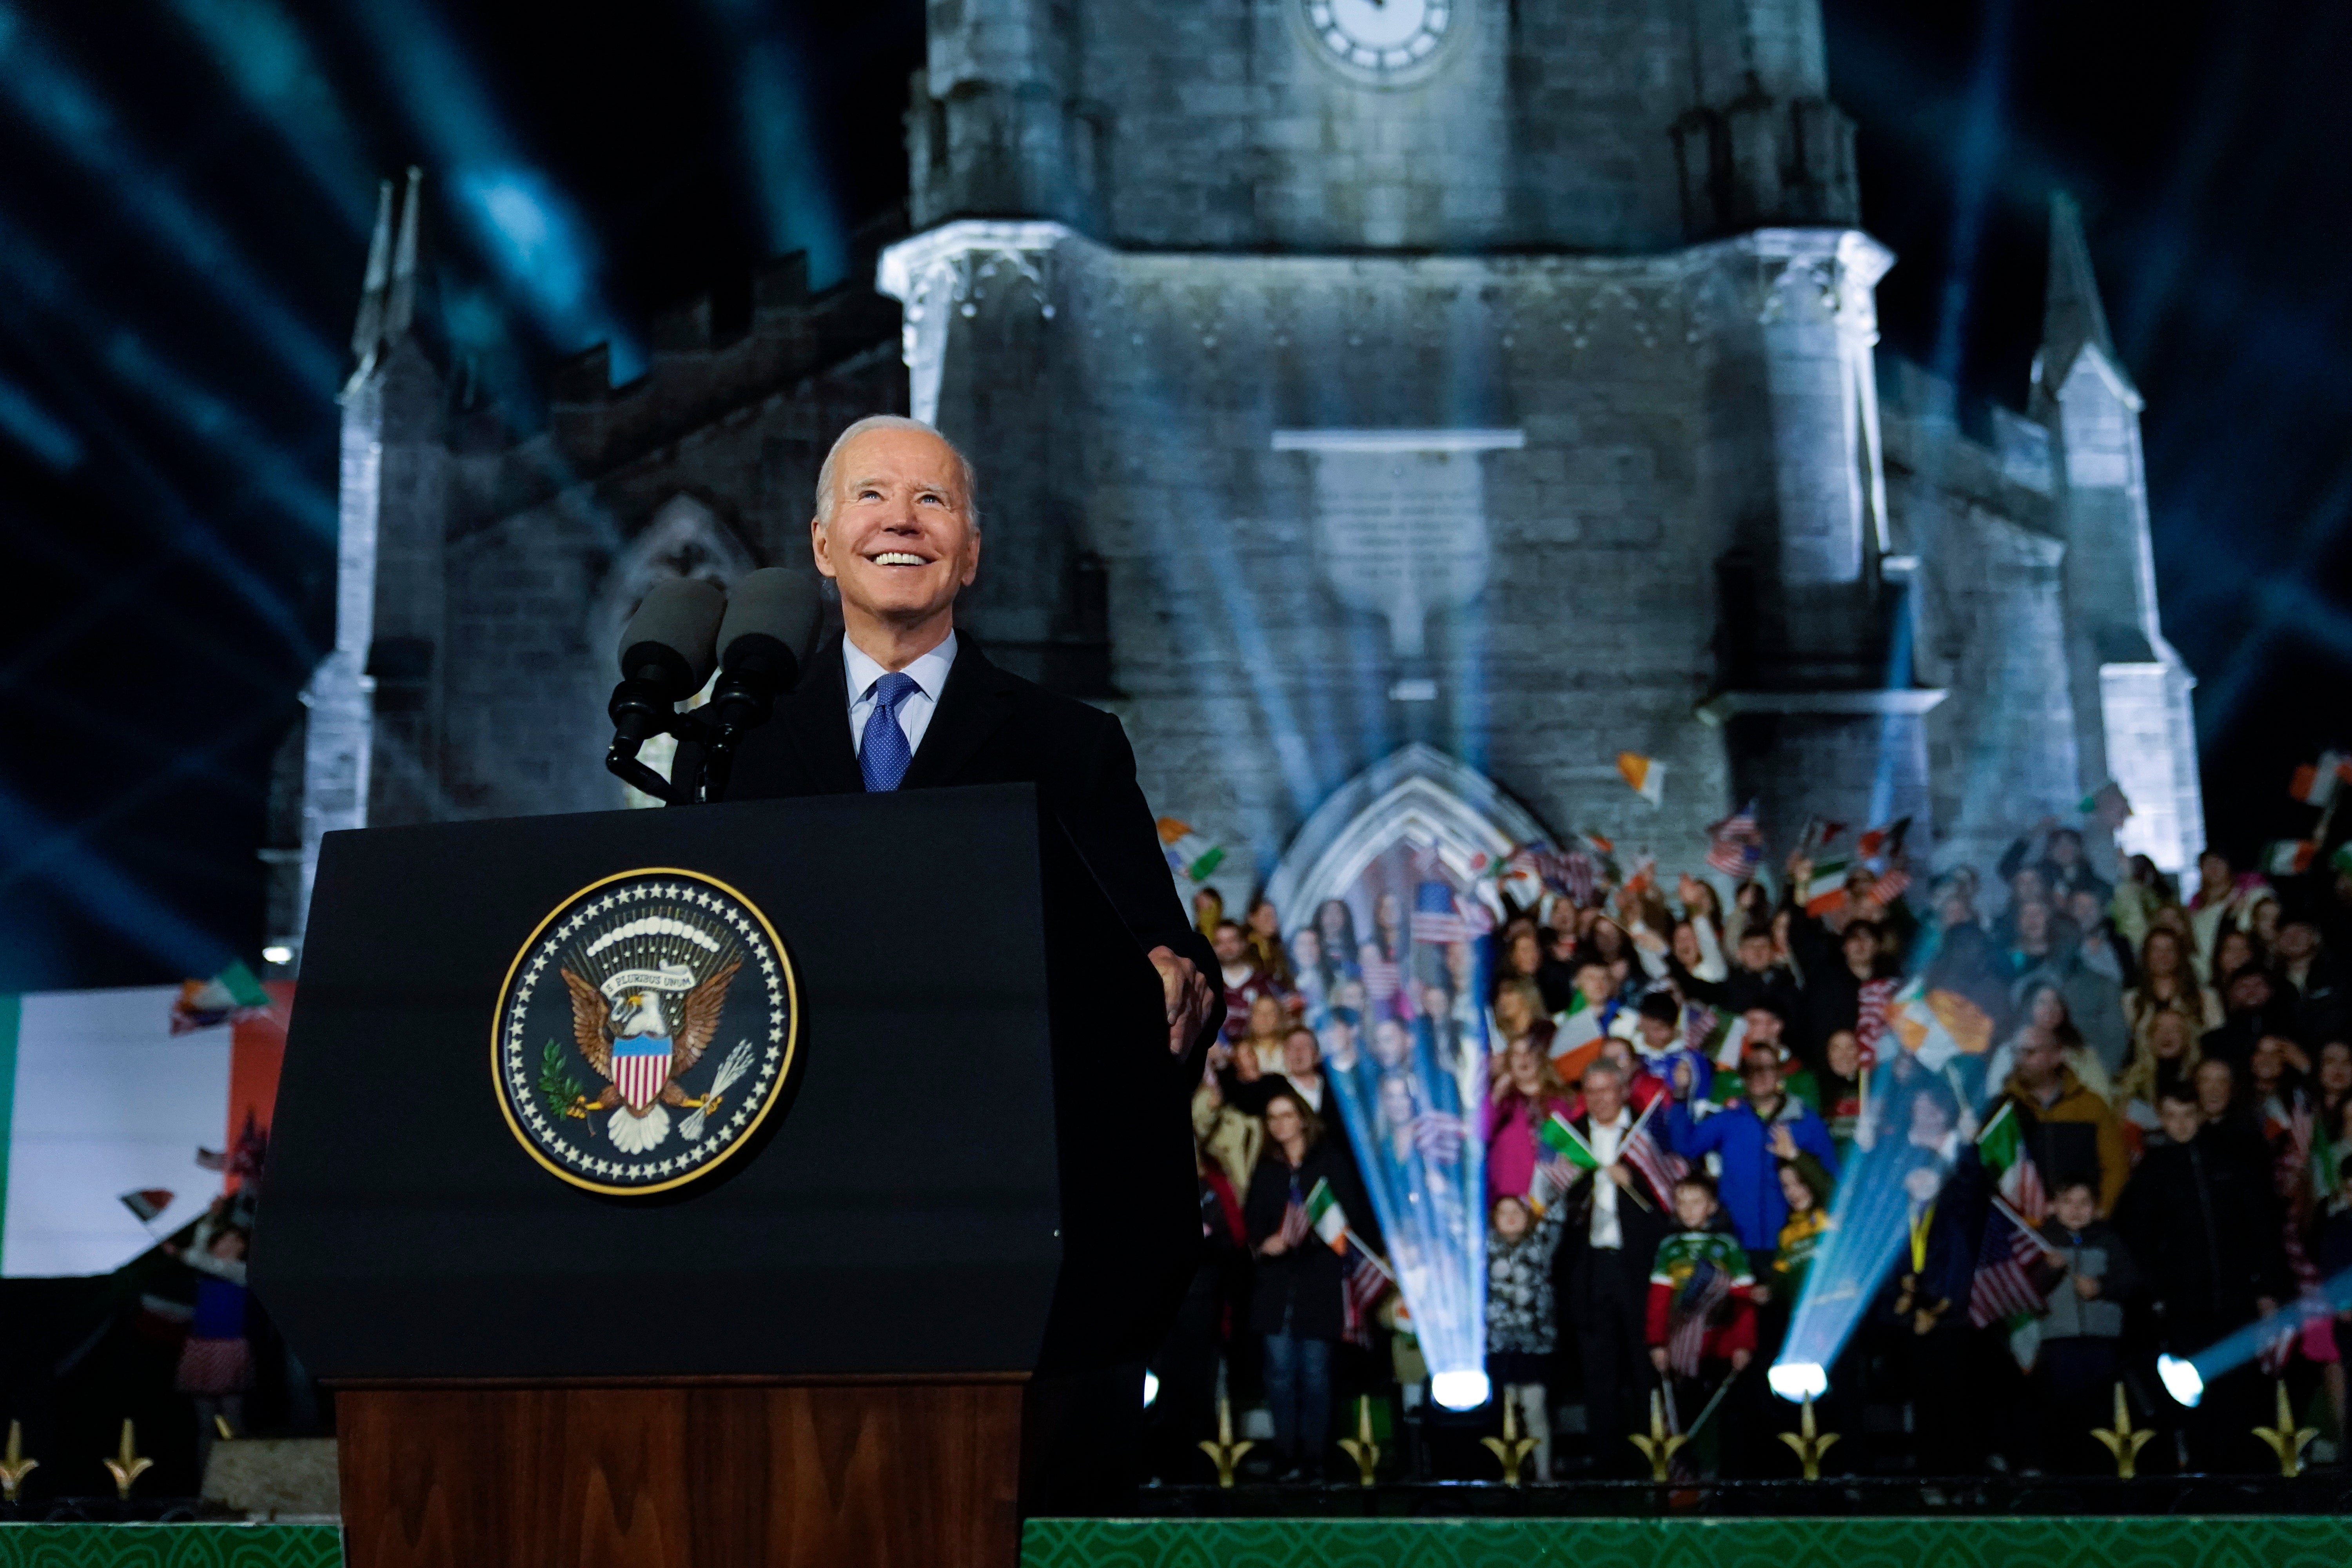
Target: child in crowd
[[217, 1365], [1522, 1328], [1701, 1318], [2080, 1358]]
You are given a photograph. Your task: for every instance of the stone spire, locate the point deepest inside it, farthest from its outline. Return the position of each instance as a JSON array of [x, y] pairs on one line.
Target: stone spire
[[400, 300], [2072, 318], [368, 330]]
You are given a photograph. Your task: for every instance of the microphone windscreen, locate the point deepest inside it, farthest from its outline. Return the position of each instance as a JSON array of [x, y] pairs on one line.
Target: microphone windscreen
[[678, 618], [779, 602]]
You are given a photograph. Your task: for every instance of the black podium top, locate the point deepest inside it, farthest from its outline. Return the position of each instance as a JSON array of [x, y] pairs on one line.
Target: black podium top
[[978, 1160]]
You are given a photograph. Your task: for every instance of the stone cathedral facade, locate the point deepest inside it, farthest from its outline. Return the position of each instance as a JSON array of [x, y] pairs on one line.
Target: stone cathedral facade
[[1493, 379]]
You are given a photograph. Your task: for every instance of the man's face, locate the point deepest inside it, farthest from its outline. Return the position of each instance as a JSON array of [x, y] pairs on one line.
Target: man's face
[[1756, 952], [2181, 1118], [2214, 1088], [2026, 885], [1763, 1025], [1656, 1033], [1861, 948], [2076, 1207], [1922, 1183], [1604, 1096], [2064, 849], [901, 542], [1759, 1074], [1230, 945], [2297, 939], [1388, 1043], [2037, 1061], [2033, 921], [1299, 1052], [1593, 981], [2269, 1061], [2084, 907], [2250, 991]]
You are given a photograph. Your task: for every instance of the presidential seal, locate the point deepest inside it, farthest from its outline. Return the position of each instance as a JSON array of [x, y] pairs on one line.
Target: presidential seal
[[645, 1031]]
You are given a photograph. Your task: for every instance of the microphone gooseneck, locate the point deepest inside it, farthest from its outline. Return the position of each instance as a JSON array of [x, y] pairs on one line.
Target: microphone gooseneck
[[770, 615]]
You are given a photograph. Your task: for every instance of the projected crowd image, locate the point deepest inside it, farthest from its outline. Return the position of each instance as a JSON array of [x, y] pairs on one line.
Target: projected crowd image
[[1711, 1153]]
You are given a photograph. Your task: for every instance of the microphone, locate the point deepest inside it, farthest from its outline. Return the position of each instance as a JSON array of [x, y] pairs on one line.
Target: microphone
[[667, 651], [770, 615]]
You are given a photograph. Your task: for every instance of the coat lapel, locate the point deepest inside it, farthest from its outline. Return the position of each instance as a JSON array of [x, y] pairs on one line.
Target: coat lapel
[[816, 715], [973, 706]]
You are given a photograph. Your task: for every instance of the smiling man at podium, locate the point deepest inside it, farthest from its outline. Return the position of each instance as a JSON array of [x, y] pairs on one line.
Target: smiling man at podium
[[903, 702]]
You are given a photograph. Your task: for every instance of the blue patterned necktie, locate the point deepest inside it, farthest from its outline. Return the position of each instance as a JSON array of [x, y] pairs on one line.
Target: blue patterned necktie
[[884, 754]]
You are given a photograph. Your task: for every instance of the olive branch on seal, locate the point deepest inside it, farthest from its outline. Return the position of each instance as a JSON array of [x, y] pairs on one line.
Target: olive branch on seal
[[558, 1088]]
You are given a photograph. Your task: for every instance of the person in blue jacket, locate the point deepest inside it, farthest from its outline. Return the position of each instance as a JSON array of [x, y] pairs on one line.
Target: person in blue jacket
[[1752, 1134]]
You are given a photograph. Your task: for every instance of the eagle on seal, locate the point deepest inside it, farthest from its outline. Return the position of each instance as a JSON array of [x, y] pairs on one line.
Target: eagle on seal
[[641, 1042]]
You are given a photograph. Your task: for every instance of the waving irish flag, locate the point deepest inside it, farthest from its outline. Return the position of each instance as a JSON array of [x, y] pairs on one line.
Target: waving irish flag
[[1324, 1213]]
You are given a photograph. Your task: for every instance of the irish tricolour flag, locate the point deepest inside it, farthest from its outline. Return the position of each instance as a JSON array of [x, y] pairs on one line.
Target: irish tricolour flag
[[1329, 1220]]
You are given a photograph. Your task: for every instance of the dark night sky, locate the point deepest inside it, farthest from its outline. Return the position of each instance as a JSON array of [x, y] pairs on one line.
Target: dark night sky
[[179, 260]]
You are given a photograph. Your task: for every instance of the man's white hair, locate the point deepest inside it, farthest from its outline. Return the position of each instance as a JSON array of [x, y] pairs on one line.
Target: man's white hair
[[830, 470]]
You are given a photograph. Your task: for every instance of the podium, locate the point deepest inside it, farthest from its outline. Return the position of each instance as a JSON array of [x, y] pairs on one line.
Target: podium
[[910, 1301]]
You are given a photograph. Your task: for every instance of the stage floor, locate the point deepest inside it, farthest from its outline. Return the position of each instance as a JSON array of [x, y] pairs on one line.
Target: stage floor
[[2090, 1541]]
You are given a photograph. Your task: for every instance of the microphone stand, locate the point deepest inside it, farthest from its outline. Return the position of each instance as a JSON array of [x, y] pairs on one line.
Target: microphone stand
[[706, 736]]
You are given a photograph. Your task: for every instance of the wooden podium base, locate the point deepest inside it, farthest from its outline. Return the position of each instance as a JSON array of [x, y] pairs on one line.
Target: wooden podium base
[[713, 1474]]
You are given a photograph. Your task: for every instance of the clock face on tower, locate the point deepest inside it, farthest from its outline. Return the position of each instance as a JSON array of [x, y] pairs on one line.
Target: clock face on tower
[[1384, 41]]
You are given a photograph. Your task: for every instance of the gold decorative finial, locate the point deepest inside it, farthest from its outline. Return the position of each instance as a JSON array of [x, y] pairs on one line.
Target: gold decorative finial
[[1809, 1447], [1510, 1447], [127, 1466], [1361, 1447], [2122, 1441], [220, 1425], [1225, 1453], [15, 1467], [2286, 1439], [1659, 1447]]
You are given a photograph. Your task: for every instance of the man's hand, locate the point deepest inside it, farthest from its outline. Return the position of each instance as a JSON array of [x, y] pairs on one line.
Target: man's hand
[[2086, 1287], [1658, 1357], [1739, 1360], [1186, 990], [1620, 1174], [1784, 1143], [1273, 1246]]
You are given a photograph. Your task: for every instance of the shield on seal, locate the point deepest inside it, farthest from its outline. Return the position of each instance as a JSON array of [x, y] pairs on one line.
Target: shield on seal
[[640, 1068]]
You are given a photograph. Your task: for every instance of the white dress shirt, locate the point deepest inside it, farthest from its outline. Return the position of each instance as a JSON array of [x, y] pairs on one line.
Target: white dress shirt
[[930, 677], [1607, 1138]]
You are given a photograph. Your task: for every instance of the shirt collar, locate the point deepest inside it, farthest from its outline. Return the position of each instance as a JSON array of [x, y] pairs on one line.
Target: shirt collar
[[928, 672]]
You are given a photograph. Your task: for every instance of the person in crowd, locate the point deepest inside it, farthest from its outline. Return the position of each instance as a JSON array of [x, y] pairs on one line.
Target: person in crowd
[[2250, 1010], [1841, 973], [1964, 959], [1520, 1100], [1263, 925], [2168, 982], [1186, 1361], [2213, 908], [2164, 1060], [2043, 1013], [2084, 968], [1208, 913], [1243, 982], [2200, 1217], [2235, 950], [1806, 1188], [2304, 966], [1335, 931], [1520, 1016], [1522, 1325], [1614, 1219], [1229, 1138], [1295, 1306], [2332, 1087], [1595, 1012], [1834, 1089], [2088, 1288], [2143, 894], [1747, 1136], [1260, 1044], [1642, 1085], [2104, 951], [1756, 974], [1701, 1321], [1921, 1316], [2070, 1133], [2060, 866], [216, 1362]]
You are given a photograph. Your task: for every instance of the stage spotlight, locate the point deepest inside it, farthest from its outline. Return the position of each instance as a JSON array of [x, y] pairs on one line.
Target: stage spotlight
[[1798, 1381], [2181, 1380], [1151, 1387], [277, 953], [1459, 1390]]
